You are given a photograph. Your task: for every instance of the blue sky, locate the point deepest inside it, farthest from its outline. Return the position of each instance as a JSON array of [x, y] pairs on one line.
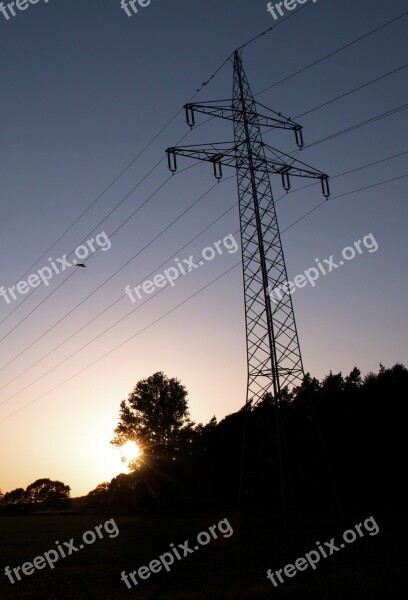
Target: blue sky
[[84, 89]]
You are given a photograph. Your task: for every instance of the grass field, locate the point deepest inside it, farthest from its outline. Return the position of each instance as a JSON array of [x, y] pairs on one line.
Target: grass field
[[233, 567]]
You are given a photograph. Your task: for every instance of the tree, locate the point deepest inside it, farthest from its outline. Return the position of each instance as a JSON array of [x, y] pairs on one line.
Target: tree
[[48, 494], [15, 497], [333, 385], [100, 491], [353, 380], [100, 495], [156, 417]]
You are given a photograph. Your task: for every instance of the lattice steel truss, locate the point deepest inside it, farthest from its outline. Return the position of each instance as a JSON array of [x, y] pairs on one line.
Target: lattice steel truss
[[273, 352]]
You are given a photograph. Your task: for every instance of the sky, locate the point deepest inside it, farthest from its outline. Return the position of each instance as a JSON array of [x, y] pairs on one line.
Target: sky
[[85, 89]]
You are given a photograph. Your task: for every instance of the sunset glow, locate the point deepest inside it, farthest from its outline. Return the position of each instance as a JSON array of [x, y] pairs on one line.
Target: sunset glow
[[130, 451]]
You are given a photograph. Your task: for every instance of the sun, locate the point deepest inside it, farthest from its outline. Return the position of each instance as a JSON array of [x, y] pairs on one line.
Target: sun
[[130, 451]]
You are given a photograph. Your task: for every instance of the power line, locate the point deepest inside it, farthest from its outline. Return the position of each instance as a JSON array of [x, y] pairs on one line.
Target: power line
[[159, 318], [152, 195], [91, 232], [107, 280], [178, 112], [132, 162], [377, 162], [310, 145], [109, 214], [121, 297], [70, 312], [341, 132], [368, 187], [344, 131], [271, 28], [388, 113], [162, 264], [125, 342], [340, 196], [316, 62], [205, 83], [356, 89], [357, 126], [73, 272], [268, 30], [102, 193]]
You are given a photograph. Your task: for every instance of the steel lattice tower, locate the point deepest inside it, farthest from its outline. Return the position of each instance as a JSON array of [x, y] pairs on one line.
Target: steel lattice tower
[[274, 358], [273, 352]]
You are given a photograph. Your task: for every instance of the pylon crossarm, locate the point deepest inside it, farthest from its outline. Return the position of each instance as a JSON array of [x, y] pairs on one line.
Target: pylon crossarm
[[227, 156], [227, 111], [279, 168], [295, 168], [278, 116], [293, 161], [219, 154], [222, 111]]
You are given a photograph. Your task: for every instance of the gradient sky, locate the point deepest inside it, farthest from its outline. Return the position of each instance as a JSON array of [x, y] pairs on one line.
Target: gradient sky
[[84, 89]]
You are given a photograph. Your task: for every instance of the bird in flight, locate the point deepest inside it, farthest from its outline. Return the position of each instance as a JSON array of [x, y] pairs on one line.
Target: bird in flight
[[81, 265]]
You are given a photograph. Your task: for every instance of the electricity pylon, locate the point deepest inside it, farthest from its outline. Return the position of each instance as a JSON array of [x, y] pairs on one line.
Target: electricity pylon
[[273, 352]]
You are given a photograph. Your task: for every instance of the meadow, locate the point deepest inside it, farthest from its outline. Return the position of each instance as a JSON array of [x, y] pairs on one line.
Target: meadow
[[225, 568]]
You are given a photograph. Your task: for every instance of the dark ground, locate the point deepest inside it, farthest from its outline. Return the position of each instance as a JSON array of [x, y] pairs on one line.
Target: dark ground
[[370, 568]]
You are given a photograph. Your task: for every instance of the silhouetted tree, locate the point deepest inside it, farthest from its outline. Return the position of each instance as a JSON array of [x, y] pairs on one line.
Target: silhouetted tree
[[361, 422], [100, 491], [45, 493], [353, 381], [15, 497], [155, 415]]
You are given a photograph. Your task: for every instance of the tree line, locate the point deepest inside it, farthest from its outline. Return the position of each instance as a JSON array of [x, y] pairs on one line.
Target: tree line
[[361, 427], [42, 494]]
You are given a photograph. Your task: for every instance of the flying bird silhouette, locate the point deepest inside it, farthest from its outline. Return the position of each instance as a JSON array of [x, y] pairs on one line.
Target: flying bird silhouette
[[81, 265]]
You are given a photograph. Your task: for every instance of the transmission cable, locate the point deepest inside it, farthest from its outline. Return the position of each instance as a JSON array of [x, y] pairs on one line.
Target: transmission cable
[[94, 229], [206, 83], [316, 62], [152, 195], [159, 318], [314, 143], [132, 162], [377, 162], [356, 89], [162, 264], [111, 277], [121, 297]]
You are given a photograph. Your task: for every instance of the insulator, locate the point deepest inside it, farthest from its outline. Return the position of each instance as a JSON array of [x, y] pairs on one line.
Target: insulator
[[190, 118], [171, 160], [285, 181], [217, 169], [299, 137], [325, 186]]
